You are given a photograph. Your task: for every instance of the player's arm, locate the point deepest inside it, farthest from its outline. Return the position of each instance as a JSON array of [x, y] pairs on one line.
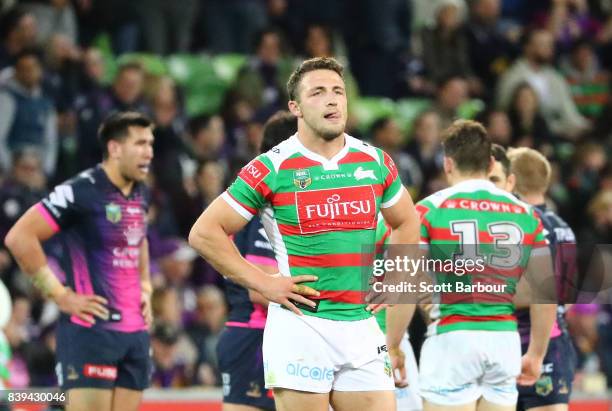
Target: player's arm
[[145, 282], [256, 297], [24, 241], [209, 236]]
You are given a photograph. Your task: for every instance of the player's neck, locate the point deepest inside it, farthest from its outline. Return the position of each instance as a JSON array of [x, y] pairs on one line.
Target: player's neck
[[124, 185], [319, 145], [455, 178], [533, 199]]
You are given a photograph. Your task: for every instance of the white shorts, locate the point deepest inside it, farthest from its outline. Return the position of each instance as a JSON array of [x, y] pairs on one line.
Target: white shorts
[[459, 367], [408, 398], [312, 354]]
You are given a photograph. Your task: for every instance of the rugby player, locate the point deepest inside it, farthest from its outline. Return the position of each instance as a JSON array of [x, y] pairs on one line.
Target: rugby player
[[552, 390], [102, 339], [322, 190], [472, 356]]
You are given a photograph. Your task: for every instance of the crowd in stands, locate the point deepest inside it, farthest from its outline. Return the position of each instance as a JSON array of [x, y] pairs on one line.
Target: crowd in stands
[[211, 72]]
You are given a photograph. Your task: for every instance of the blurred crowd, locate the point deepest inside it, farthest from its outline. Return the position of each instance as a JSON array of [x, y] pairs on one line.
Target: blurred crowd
[[536, 73]]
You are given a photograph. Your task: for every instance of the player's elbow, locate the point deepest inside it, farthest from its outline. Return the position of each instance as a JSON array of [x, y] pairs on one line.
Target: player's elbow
[[199, 237], [11, 241]]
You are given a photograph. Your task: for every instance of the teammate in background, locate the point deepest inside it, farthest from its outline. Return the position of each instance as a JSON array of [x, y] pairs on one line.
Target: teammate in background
[[480, 370], [102, 339], [321, 190], [553, 389], [500, 174], [239, 346]]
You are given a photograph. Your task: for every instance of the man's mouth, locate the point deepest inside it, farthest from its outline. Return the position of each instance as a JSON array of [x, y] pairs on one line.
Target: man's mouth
[[332, 116], [144, 167]]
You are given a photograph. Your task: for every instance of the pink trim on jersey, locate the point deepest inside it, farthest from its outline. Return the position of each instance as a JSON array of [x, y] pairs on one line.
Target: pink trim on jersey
[[257, 320], [45, 214], [556, 331], [259, 259], [82, 280]]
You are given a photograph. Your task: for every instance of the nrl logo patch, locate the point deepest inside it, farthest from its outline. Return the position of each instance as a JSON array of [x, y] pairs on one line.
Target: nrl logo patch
[[113, 213], [301, 178]]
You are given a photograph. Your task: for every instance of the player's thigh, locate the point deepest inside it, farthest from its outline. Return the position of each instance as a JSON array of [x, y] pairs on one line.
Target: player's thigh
[[87, 399], [484, 405], [554, 407], [239, 407], [429, 406], [292, 400], [363, 400], [126, 400]]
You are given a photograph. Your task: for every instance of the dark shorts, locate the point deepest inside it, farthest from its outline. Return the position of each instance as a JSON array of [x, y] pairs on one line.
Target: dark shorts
[[99, 358], [555, 383], [241, 366]]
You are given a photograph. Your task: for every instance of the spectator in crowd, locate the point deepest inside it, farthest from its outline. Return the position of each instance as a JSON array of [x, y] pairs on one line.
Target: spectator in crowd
[[387, 135], [529, 126], [207, 135], [169, 369], [489, 47], [589, 84], [24, 186], [498, 125], [125, 94], [209, 181], [445, 51], [598, 229], [166, 26], [452, 93], [425, 147], [318, 42], [169, 147], [52, 18], [262, 81], [568, 21], [27, 118], [207, 324], [17, 33], [377, 32], [62, 63], [231, 25], [534, 67]]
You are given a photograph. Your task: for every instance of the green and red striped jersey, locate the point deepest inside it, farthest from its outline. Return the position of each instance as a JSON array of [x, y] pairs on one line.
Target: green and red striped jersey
[[476, 220], [321, 215]]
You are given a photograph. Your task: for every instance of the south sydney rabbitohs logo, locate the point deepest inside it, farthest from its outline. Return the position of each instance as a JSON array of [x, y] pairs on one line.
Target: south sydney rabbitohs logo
[[347, 208]]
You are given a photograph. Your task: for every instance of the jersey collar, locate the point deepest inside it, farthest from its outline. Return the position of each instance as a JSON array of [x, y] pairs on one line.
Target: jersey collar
[[328, 164]]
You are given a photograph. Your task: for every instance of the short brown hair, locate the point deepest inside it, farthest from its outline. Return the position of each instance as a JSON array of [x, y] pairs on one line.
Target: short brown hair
[[532, 170], [317, 63], [467, 143], [499, 154]]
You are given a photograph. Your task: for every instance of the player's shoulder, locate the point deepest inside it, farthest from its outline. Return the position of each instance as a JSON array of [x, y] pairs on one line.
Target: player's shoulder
[[80, 183], [366, 148], [280, 152]]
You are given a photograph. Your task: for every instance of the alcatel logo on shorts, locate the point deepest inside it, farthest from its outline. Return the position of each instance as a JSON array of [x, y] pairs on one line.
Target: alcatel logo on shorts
[[103, 372], [311, 373]]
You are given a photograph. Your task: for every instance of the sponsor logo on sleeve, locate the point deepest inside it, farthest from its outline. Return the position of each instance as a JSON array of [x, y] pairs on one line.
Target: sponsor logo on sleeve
[[254, 173], [390, 164]]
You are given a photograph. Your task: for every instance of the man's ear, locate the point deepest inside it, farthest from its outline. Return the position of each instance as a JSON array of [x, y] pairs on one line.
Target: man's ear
[[294, 108], [511, 183], [449, 165], [114, 149]]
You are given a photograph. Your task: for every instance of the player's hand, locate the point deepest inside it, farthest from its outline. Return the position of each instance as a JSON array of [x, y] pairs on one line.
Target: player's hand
[[284, 290], [145, 306], [531, 369], [398, 364], [85, 307], [376, 308]]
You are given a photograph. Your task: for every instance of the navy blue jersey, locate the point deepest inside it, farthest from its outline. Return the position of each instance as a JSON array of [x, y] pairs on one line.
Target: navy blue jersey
[[253, 244], [102, 232], [562, 243]]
